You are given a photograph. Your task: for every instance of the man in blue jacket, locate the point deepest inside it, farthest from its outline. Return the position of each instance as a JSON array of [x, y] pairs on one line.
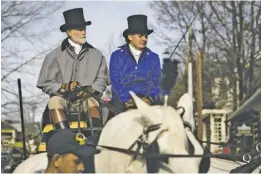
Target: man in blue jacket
[[134, 67]]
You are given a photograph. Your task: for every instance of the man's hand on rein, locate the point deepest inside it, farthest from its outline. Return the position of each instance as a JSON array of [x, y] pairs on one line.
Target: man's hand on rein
[[84, 92], [68, 90], [69, 87], [130, 104], [147, 100]]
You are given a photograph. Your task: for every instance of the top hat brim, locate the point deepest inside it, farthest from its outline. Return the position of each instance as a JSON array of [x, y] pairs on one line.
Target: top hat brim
[[128, 31], [66, 27]]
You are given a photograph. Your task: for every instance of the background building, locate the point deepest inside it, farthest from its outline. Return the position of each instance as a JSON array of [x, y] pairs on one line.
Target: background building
[[246, 123], [215, 128]]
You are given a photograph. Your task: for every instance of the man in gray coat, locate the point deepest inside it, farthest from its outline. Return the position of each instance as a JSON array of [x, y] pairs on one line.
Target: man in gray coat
[[72, 63]]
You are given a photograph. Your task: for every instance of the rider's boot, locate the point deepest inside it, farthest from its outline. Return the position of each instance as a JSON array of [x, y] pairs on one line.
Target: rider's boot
[[58, 119], [95, 116]]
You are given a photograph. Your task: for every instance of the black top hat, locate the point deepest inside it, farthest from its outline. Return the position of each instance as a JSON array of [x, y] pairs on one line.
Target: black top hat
[[74, 19], [137, 24]]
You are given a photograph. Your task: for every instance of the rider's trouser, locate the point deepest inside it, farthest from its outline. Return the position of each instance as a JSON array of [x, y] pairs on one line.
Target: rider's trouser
[[58, 105]]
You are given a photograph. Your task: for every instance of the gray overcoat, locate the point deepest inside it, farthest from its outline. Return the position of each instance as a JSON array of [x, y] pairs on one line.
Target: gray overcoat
[[62, 65]]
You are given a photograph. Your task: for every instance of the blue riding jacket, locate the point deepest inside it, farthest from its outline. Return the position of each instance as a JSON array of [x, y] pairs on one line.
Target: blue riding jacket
[[127, 75]]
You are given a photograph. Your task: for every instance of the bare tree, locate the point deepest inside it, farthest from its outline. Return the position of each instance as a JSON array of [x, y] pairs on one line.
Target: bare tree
[[113, 42], [25, 27], [227, 35], [234, 18]]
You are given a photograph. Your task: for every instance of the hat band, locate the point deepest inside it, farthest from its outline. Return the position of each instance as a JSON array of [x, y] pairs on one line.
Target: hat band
[[139, 31], [133, 31], [65, 27]]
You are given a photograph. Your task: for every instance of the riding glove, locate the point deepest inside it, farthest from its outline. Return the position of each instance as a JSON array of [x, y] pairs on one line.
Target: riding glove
[[148, 100], [70, 86], [130, 104]]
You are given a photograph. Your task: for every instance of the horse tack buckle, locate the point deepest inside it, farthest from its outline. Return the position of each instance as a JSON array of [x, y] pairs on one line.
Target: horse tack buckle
[[80, 138]]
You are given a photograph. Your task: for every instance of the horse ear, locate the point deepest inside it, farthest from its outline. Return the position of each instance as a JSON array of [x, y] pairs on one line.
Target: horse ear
[[139, 103], [186, 102], [143, 107]]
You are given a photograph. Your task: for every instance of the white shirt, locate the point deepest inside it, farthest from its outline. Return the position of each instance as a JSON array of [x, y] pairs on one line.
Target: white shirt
[[135, 52], [77, 47]]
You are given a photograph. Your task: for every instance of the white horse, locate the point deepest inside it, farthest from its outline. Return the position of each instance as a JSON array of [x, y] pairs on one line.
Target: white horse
[[124, 129]]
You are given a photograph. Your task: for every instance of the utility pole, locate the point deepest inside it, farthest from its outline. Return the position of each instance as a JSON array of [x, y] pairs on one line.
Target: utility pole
[[190, 81], [259, 36], [34, 107], [199, 95]]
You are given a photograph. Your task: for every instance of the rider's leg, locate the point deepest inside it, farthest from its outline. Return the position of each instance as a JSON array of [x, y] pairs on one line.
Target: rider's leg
[[94, 111], [57, 106], [115, 102]]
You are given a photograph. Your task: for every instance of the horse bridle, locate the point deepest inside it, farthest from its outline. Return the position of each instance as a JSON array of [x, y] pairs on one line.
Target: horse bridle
[[143, 144]]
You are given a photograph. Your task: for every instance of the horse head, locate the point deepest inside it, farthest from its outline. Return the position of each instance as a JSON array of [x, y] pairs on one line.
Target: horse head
[[172, 137], [165, 116], [124, 130]]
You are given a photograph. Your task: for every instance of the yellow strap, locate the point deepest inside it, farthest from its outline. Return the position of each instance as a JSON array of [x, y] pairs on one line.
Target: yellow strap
[[73, 125]]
